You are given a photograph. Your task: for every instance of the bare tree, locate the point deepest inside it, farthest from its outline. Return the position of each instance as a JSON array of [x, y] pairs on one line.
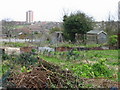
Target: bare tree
[[7, 28]]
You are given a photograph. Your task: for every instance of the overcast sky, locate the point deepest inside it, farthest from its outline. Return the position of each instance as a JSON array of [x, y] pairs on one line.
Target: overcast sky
[[53, 10]]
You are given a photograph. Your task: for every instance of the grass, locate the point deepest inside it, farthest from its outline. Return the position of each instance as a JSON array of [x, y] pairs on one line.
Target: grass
[[20, 26], [56, 61], [15, 44], [0, 71], [66, 44], [111, 57]]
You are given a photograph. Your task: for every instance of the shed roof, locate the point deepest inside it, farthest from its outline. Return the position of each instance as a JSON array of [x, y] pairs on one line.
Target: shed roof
[[58, 32], [96, 32]]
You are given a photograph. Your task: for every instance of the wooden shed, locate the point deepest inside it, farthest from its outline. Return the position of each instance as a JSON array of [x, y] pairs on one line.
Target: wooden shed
[[57, 37], [96, 37]]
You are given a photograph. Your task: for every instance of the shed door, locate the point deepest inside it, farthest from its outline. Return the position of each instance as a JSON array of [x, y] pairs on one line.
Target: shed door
[[102, 38]]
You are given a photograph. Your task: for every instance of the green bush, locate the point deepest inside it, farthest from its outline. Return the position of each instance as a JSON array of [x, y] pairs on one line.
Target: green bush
[[5, 57], [113, 40], [26, 59], [101, 70]]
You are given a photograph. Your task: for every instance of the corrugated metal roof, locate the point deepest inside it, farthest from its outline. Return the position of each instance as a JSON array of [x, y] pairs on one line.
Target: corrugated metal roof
[[96, 32]]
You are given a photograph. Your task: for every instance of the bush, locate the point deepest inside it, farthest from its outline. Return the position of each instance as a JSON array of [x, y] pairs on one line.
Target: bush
[[26, 59], [5, 57], [113, 40], [101, 70]]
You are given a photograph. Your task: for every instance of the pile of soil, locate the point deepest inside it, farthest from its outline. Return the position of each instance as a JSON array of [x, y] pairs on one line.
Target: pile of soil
[[48, 75]]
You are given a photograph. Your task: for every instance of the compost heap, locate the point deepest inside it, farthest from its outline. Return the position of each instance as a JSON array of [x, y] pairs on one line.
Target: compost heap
[[46, 75]]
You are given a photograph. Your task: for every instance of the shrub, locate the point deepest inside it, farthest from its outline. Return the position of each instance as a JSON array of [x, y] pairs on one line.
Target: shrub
[[27, 59], [100, 69], [5, 57], [113, 40]]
